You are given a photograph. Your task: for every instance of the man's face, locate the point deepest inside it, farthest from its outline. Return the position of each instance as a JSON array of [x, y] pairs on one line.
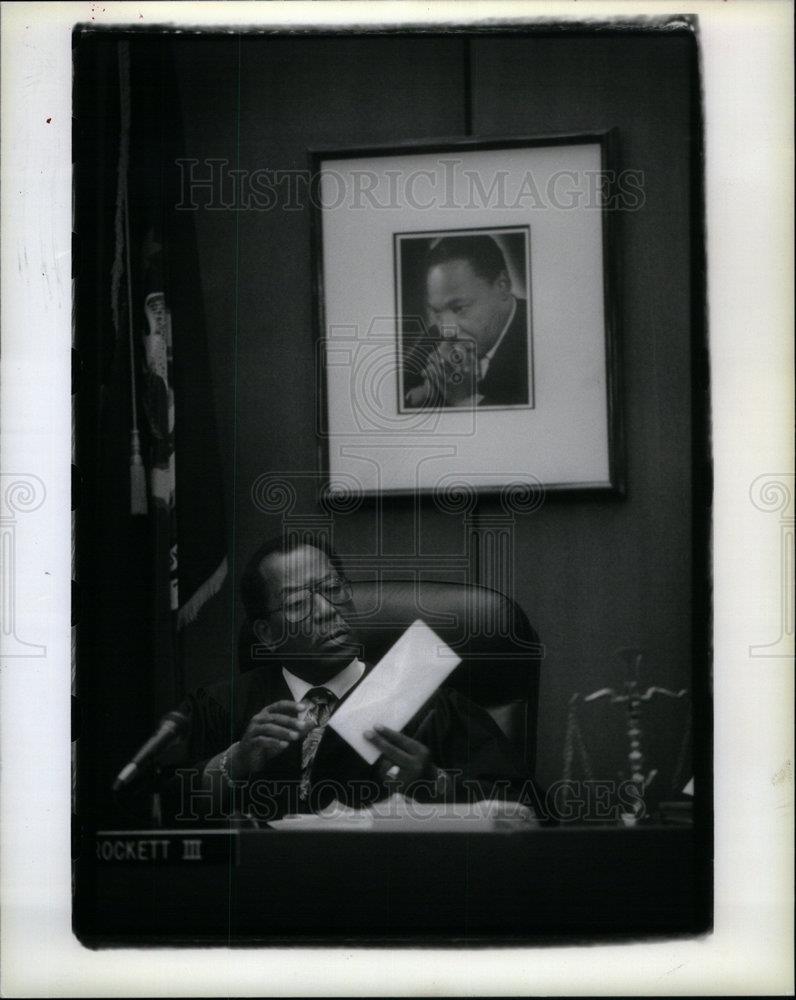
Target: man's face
[[323, 642], [466, 305]]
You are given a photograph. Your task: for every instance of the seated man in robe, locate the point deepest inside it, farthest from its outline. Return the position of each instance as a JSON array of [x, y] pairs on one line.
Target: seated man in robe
[[261, 739]]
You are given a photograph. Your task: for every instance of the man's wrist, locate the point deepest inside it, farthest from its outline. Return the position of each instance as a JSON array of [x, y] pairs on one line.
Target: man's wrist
[[226, 764], [231, 766]]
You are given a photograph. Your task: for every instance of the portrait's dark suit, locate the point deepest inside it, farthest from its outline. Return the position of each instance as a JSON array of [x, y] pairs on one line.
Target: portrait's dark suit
[[462, 738], [507, 377]]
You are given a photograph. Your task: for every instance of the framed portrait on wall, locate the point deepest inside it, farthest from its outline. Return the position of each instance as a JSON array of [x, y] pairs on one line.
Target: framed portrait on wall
[[466, 315]]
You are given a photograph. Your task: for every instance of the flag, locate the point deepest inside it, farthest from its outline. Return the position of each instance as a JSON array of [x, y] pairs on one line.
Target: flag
[[175, 470]]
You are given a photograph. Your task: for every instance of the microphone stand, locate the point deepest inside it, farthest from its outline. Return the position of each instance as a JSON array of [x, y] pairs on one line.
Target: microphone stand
[[156, 806], [140, 803]]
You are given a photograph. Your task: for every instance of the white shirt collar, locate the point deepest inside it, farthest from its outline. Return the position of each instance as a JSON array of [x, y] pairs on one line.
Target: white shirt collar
[[339, 685], [483, 362]]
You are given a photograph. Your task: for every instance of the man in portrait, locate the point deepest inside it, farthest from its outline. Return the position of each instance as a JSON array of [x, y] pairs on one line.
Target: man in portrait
[[479, 336], [264, 733]]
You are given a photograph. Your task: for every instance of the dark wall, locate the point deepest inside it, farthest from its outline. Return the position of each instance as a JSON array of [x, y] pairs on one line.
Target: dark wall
[[592, 574]]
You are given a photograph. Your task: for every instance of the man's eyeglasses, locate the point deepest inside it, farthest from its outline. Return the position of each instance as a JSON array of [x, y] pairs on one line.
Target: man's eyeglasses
[[298, 605]]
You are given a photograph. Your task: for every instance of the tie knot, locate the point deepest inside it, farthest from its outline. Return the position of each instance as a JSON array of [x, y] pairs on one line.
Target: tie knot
[[320, 696]]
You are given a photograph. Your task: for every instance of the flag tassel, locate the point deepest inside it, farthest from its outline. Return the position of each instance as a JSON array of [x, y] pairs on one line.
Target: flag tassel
[[138, 503]]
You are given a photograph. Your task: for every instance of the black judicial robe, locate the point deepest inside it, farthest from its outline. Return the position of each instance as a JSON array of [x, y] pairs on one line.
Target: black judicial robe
[[462, 738]]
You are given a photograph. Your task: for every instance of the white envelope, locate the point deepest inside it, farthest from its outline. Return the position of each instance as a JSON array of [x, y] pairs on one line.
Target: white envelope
[[405, 677]]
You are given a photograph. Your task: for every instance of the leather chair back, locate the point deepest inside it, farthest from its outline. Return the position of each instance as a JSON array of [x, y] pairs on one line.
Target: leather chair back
[[499, 649]]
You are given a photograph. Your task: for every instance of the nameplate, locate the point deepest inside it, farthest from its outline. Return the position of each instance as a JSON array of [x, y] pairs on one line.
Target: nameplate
[[147, 847]]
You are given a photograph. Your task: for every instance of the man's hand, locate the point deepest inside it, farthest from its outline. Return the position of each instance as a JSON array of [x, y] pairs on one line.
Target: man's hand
[[449, 376], [431, 391], [459, 363], [403, 759], [269, 732]]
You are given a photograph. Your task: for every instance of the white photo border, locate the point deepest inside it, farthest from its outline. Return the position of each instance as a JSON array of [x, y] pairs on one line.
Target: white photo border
[[749, 134]]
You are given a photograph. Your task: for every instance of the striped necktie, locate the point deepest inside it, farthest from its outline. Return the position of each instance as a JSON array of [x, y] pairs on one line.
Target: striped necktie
[[322, 704]]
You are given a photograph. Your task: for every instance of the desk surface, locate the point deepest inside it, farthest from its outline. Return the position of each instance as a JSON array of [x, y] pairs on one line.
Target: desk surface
[[336, 887]]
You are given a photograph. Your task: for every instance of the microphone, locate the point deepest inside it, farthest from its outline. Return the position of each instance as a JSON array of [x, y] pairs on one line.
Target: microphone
[[172, 726]]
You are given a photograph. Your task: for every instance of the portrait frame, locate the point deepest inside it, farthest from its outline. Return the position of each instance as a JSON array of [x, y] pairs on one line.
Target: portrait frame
[[567, 436]]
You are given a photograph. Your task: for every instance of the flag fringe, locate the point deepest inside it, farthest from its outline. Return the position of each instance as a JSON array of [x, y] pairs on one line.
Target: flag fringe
[[189, 611], [138, 501], [138, 504]]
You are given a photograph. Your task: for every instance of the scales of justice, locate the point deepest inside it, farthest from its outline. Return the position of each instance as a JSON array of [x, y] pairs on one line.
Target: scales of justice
[[639, 786]]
